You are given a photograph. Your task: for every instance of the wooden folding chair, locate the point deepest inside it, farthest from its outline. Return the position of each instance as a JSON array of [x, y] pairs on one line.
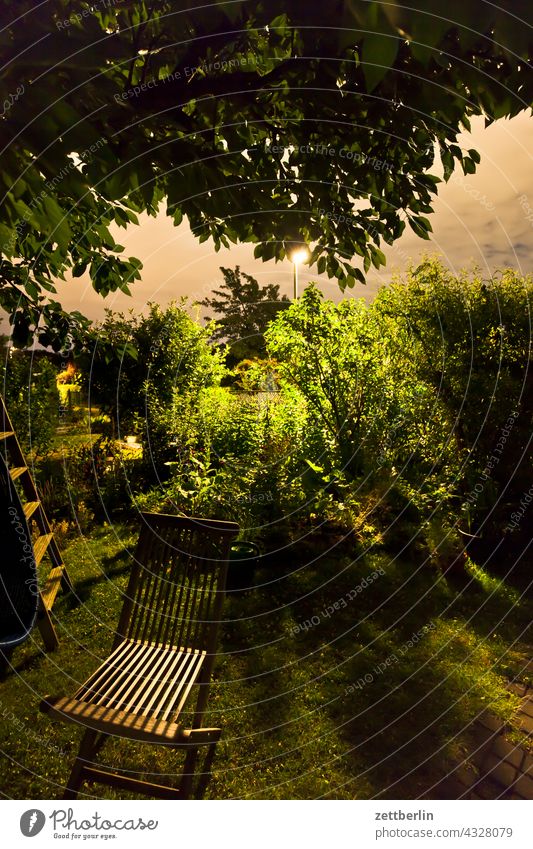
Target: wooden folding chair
[[164, 647]]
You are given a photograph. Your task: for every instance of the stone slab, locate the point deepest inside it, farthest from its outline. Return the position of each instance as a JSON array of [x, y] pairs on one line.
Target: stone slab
[[497, 770], [524, 787]]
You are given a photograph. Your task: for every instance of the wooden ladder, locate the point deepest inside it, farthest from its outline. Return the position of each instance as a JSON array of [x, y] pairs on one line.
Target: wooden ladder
[[44, 543]]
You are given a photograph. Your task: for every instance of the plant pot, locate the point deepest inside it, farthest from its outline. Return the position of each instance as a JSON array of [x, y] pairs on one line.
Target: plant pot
[[243, 560]]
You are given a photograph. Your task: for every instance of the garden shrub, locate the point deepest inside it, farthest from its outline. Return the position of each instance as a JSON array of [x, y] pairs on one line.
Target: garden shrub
[[236, 460], [87, 482], [468, 341], [373, 428], [135, 366], [30, 392], [333, 354], [230, 423]]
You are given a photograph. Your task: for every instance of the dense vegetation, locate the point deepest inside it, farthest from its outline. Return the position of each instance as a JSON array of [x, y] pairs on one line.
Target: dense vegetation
[[405, 422], [350, 441], [28, 385]]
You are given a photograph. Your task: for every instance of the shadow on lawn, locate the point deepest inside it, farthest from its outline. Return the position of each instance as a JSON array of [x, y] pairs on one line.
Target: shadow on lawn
[[110, 568], [400, 667], [495, 604]]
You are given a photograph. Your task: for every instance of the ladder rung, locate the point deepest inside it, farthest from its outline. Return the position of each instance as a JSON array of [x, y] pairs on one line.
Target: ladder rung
[[5, 434], [50, 589], [17, 471], [40, 545], [30, 508]]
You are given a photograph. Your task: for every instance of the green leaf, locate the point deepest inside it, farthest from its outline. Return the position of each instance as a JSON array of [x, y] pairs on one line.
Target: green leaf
[[32, 290], [427, 33], [79, 269], [420, 225], [318, 469], [469, 166], [131, 351], [58, 225], [122, 217], [8, 238], [232, 10], [378, 257], [278, 23], [378, 55]]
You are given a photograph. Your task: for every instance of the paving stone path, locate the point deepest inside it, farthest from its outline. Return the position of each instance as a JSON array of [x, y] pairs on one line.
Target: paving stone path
[[496, 768]]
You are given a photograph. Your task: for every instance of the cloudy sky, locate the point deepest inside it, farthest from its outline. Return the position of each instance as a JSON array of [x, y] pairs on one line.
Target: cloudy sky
[[485, 218]]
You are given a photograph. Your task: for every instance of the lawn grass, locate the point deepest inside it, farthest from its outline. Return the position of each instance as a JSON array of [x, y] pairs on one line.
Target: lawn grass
[[300, 719]]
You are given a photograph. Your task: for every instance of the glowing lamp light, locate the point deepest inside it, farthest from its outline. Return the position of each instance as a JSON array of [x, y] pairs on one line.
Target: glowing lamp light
[[297, 257]]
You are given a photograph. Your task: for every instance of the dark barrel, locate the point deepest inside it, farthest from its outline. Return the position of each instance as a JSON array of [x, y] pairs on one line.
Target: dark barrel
[[243, 561]]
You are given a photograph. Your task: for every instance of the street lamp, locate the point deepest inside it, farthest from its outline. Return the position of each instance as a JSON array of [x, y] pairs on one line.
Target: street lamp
[[297, 257]]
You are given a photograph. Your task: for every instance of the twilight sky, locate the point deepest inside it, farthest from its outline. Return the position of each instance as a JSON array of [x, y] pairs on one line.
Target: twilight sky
[[486, 218]]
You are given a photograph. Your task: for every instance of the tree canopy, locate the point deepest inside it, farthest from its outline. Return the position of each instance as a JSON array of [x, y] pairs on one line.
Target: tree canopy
[[268, 122], [244, 310]]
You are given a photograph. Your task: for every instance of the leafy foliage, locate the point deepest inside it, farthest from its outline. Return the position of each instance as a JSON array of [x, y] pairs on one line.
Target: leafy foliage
[[257, 121], [333, 355], [379, 445], [137, 366], [28, 384], [347, 434], [235, 458], [469, 341]]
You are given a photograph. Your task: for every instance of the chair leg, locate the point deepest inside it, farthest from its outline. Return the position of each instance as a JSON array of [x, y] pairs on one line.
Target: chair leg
[[188, 772], [205, 775], [187, 777], [89, 745], [92, 742]]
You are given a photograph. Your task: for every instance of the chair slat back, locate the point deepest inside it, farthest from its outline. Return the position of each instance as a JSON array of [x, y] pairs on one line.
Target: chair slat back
[[177, 584]]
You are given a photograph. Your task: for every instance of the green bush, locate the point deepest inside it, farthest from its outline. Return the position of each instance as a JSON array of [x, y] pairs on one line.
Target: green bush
[[467, 340], [135, 366], [373, 428], [30, 392], [334, 355], [87, 481], [230, 423], [236, 458]]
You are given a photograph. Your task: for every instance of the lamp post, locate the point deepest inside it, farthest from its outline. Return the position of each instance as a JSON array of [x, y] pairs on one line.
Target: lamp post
[[297, 257]]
